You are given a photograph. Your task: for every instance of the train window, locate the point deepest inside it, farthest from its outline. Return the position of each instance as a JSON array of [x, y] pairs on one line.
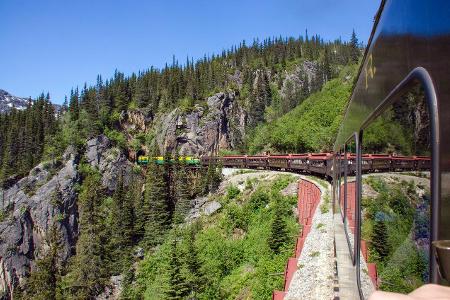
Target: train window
[[340, 182], [395, 205], [350, 193]]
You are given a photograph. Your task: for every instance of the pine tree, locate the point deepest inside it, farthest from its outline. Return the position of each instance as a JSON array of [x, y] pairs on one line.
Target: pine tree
[[178, 287], [90, 268], [74, 105], [278, 231], [354, 48], [156, 205], [122, 227], [181, 191], [196, 277], [327, 66], [139, 207], [379, 239]]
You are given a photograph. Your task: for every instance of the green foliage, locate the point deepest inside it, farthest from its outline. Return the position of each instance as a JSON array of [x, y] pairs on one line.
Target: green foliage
[[181, 195], [122, 227], [395, 222], [178, 287], [88, 271], [232, 192], [316, 121], [278, 231], [380, 240], [259, 199], [157, 207], [117, 137], [325, 206], [24, 135], [404, 272], [225, 258]]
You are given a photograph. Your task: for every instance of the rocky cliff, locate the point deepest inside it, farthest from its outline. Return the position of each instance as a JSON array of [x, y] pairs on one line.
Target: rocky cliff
[[205, 129], [199, 130], [45, 199], [219, 123]]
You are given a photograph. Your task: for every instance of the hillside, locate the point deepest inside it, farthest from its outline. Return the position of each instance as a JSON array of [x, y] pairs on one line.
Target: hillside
[[230, 254], [78, 214], [312, 125]]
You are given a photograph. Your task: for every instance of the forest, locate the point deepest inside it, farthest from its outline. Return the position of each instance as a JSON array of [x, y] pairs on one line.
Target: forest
[[97, 109]]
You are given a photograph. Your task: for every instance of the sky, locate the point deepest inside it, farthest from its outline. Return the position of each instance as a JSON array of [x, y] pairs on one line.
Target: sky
[[52, 46]]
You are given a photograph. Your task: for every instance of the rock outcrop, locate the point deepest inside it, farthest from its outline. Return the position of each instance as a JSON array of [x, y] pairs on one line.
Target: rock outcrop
[[205, 129], [46, 199], [110, 161], [304, 74]]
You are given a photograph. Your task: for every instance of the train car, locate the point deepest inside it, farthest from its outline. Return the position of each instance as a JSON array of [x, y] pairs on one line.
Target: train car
[[278, 162], [257, 161], [210, 160], [189, 160], [298, 162], [422, 163], [320, 163], [351, 164], [403, 163], [366, 163], [380, 162], [234, 161], [143, 160]]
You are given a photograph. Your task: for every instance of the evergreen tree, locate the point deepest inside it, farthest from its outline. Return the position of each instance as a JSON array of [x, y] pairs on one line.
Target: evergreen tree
[[278, 231], [122, 227], [196, 277], [90, 268], [379, 239], [354, 48], [178, 287], [74, 108], [139, 207], [181, 191], [327, 66], [156, 205]]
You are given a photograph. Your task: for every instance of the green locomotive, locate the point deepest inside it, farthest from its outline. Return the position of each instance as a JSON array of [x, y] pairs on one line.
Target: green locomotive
[[161, 160]]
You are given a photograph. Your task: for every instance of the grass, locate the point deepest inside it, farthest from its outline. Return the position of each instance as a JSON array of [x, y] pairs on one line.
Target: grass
[[315, 254], [325, 206]]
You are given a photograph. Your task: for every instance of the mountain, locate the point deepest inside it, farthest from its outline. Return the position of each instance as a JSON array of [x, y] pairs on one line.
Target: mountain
[[8, 101]]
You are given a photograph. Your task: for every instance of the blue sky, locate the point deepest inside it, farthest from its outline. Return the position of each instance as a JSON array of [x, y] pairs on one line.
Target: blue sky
[[56, 45]]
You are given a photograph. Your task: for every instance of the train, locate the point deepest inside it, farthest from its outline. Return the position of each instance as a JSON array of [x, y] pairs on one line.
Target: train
[[319, 164], [161, 160]]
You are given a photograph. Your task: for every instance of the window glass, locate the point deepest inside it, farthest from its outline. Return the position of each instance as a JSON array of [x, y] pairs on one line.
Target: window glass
[[340, 182], [350, 201], [395, 205]]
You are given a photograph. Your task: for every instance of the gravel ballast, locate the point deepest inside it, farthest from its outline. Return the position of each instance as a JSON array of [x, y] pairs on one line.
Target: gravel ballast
[[314, 276]]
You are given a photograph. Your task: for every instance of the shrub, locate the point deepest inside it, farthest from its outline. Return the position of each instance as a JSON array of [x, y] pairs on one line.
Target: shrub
[[258, 199], [116, 137], [232, 192]]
